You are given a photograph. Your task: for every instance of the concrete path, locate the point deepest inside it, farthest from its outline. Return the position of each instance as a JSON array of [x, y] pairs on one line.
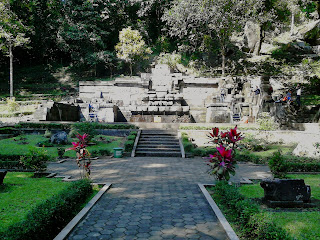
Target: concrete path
[[151, 198]]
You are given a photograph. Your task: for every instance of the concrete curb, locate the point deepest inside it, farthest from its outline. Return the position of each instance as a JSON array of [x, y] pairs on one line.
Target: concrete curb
[[231, 234], [133, 153], [74, 222]]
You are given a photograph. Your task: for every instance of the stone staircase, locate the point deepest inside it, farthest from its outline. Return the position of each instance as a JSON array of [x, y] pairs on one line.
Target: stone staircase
[[158, 143]]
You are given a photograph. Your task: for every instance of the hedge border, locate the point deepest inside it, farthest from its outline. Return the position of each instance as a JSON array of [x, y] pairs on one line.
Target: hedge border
[[74, 222], [248, 216], [223, 221], [57, 209]]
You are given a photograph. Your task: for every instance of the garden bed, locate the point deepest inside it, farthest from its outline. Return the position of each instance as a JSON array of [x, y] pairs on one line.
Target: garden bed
[[251, 219], [33, 208], [20, 145], [300, 222]]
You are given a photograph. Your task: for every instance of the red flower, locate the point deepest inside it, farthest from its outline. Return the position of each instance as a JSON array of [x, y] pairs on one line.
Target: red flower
[[75, 146], [224, 153], [224, 134], [215, 132]]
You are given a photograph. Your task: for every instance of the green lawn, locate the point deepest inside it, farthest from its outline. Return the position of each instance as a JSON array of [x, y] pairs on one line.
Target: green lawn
[[20, 193], [20, 145], [301, 224]]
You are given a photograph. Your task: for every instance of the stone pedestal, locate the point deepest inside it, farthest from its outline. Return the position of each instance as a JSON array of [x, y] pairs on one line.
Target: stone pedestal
[[286, 192]]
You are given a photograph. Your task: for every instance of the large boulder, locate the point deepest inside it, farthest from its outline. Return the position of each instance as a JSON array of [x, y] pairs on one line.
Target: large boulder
[[59, 138], [252, 34], [2, 175]]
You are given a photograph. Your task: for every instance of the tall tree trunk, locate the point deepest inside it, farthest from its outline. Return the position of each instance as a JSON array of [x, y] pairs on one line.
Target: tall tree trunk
[[257, 48], [11, 70], [223, 53], [130, 64], [292, 23]]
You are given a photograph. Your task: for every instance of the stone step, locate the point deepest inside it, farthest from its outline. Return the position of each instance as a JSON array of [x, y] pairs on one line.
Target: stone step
[[157, 154], [160, 149], [158, 141], [157, 133], [151, 145]]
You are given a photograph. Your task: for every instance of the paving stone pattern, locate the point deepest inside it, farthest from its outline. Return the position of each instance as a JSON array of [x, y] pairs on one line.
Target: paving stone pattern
[[151, 198]]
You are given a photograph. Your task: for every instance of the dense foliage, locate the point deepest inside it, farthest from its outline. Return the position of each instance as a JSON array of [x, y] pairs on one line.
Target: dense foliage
[[252, 222], [83, 34]]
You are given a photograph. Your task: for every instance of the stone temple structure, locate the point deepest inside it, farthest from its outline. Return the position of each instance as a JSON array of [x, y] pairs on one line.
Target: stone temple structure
[[164, 96]]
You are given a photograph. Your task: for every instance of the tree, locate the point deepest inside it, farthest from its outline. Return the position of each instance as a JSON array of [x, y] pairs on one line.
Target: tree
[[264, 14], [12, 34], [294, 8], [196, 20], [131, 46]]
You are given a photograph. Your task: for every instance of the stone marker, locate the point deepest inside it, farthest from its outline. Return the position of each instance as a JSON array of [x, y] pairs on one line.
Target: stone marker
[[59, 138], [2, 175], [286, 192]]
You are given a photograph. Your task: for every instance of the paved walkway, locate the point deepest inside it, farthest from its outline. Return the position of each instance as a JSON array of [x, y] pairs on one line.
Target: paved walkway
[[151, 198]]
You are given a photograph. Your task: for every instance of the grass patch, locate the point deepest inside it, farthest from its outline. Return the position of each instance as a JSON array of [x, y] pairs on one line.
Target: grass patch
[[20, 145], [20, 193], [301, 223]]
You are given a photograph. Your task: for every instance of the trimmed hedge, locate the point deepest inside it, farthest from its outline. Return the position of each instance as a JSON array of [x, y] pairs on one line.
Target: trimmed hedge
[[12, 165], [49, 218], [69, 125], [128, 145], [8, 130], [253, 222], [302, 167]]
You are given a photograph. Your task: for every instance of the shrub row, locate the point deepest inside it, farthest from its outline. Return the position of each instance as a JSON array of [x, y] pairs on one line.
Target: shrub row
[[12, 165], [47, 219], [8, 130], [76, 125], [100, 152], [253, 222], [43, 125], [221, 128], [128, 145]]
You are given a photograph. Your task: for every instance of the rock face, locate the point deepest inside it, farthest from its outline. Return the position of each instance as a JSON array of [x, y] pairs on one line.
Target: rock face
[[59, 138], [288, 190], [2, 175], [252, 33]]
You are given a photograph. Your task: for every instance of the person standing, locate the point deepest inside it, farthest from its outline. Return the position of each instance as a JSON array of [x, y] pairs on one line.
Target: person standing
[[222, 95], [256, 95], [298, 99]]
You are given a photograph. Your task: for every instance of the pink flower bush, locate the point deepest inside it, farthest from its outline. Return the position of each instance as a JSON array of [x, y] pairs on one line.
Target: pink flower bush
[[83, 155], [222, 163]]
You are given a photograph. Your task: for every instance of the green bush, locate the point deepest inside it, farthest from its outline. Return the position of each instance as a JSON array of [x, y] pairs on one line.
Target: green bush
[[12, 165], [277, 165], [302, 167], [8, 130], [85, 127], [128, 145], [131, 137], [253, 222], [46, 143], [43, 125], [48, 218], [36, 159], [188, 147], [47, 133], [61, 152]]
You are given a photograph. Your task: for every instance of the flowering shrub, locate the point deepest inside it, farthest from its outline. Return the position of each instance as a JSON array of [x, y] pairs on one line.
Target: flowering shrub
[[83, 155], [222, 163]]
